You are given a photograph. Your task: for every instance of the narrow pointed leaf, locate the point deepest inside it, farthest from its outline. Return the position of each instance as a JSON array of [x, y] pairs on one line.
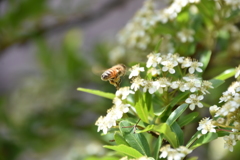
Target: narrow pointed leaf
[[97, 92], [176, 113], [216, 82], [168, 134], [183, 121], [158, 146], [129, 151], [204, 139], [226, 74], [141, 107], [119, 139], [179, 132], [205, 58]]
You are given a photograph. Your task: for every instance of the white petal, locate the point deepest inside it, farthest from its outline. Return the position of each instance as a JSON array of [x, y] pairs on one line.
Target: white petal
[[191, 70], [192, 106]]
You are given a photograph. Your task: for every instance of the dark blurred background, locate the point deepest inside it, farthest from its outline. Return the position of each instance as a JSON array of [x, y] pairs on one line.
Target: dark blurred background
[[47, 50]]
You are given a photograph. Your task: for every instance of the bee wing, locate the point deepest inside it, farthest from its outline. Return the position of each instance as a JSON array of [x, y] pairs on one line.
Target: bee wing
[[97, 70]]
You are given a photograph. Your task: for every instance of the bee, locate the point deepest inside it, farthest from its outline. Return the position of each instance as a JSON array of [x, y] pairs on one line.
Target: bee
[[114, 74]]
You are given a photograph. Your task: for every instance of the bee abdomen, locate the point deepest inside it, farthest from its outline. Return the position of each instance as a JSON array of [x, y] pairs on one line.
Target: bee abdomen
[[106, 75]]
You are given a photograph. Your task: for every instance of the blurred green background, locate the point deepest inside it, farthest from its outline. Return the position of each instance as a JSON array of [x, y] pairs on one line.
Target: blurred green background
[[47, 50]]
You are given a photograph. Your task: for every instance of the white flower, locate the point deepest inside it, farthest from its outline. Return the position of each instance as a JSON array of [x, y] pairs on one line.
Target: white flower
[[151, 86], [124, 92], [206, 125], [184, 150], [192, 84], [174, 154], [102, 125], [186, 35], [195, 65], [176, 84], [225, 96], [237, 74], [135, 70], [230, 141], [186, 62], [205, 86], [153, 60], [137, 82], [193, 100], [228, 107], [168, 66], [213, 109], [161, 84], [154, 72]]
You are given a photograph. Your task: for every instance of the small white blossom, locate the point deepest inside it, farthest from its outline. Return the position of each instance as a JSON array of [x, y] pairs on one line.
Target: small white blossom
[[137, 83], [176, 84], [186, 62], [193, 100], [153, 59], [195, 65], [154, 72], [174, 154], [162, 84], [220, 120], [213, 109], [228, 107], [205, 86], [226, 96], [168, 66], [135, 70], [230, 141], [186, 35], [206, 125], [150, 86], [124, 92]]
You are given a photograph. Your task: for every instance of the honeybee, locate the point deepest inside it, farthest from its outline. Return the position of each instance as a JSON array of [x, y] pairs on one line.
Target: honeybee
[[114, 74]]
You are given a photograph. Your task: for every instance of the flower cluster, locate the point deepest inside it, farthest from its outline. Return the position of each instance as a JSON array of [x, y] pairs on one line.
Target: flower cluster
[[227, 115], [116, 112], [172, 11], [174, 154], [137, 32], [161, 64], [206, 125]]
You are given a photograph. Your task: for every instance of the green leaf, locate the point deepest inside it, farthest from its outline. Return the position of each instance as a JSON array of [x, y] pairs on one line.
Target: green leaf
[[157, 47], [204, 139], [141, 107], [119, 139], [226, 74], [158, 146], [135, 140], [187, 119], [165, 130], [193, 138], [97, 92], [168, 134], [176, 113], [179, 132], [192, 158], [216, 82], [205, 58], [129, 151], [148, 102], [178, 98]]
